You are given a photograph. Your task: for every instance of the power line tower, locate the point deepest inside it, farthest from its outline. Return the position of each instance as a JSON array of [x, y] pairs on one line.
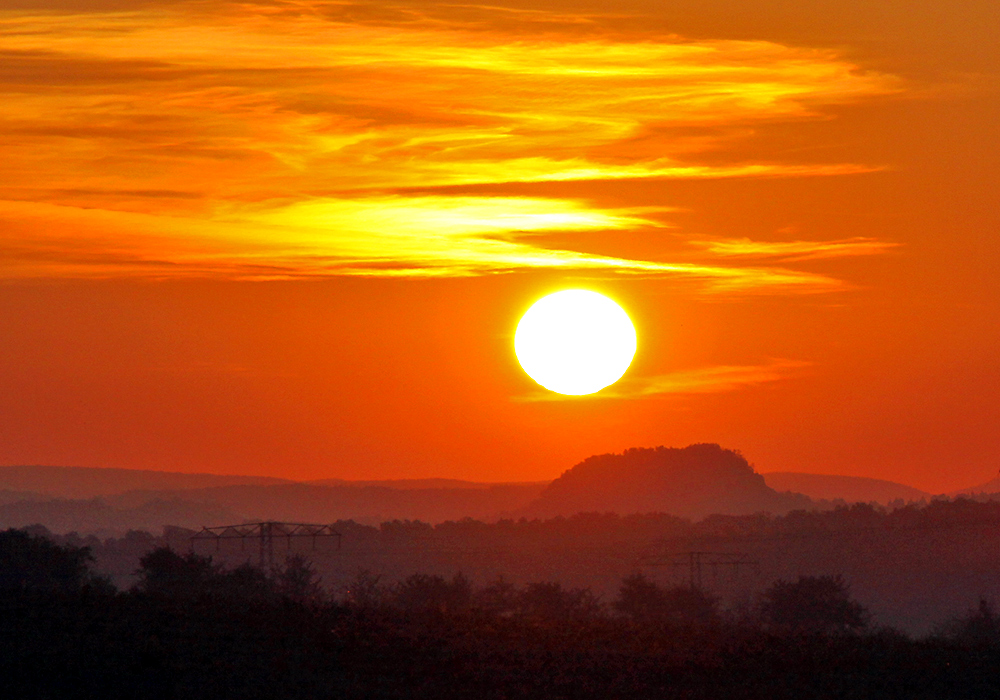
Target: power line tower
[[696, 562], [264, 534]]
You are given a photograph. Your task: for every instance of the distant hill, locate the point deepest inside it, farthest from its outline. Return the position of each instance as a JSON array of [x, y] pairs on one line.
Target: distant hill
[[89, 482], [369, 504], [692, 482], [96, 517], [853, 489], [990, 487], [104, 504], [113, 501], [411, 484]]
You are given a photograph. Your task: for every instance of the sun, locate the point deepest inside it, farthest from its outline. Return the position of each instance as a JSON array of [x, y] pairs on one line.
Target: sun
[[575, 342]]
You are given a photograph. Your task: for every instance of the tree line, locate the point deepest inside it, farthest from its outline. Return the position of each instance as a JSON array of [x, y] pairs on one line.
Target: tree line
[[193, 629], [818, 604]]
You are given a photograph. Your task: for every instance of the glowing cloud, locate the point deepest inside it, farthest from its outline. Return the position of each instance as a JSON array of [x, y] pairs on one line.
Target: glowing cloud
[[703, 380], [381, 236], [710, 380], [795, 250], [281, 139]]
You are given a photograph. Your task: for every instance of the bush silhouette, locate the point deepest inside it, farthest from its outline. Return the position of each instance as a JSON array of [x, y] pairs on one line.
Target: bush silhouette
[[550, 601], [980, 627], [299, 581], [163, 571], [246, 583], [30, 562], [814, 605], [643, 600], [366, 591], [496, 598], [425, 593]]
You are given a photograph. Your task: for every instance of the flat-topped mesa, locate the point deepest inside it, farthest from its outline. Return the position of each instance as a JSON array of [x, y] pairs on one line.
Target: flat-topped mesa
[[692, 482]]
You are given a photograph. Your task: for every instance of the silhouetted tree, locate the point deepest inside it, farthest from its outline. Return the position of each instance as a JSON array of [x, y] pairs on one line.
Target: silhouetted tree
[[166, 572], [639, 598], [365, 590], [813, 604], [298, 580], [246, 583], [550, 601], [979, 627], [496, 598], [460, 593], [423, 593], [687, 605], [31, 562], [643, 600]]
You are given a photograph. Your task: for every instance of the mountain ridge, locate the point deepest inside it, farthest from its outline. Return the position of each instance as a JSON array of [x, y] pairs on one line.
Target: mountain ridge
[[693, 482], [851, 489], [92, 482]]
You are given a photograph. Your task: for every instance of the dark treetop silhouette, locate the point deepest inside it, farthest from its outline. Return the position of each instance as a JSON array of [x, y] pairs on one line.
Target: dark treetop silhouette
[[194, 630]]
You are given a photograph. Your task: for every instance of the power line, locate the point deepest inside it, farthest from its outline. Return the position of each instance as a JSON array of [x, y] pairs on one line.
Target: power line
[[264, 533], [696, 562]]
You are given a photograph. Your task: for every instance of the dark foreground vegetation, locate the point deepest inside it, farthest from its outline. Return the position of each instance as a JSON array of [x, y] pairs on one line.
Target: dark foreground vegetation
[[190, 629], [911, 565]]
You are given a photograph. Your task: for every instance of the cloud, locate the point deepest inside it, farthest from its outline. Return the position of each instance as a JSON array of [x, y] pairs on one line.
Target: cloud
[[711, 380], [704, 380], [795, 250], [389, 236], [271, 116]]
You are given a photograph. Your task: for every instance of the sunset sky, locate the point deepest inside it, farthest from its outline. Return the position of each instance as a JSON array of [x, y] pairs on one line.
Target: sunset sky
[[295, 237]]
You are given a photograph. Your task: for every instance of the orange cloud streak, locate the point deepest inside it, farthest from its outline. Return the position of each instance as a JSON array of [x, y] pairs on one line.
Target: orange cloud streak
[[795, 250], [381, 236], [262, 142], [704, 380]]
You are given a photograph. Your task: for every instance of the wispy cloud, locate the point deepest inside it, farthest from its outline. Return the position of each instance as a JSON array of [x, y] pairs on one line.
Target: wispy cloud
[[703, 380], [795, 250], [268, 138], [710, 380], [388, 236]]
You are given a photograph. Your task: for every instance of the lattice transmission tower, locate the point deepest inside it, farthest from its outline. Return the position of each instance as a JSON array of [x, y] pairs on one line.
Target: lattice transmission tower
[[696, 562], [264, 534]]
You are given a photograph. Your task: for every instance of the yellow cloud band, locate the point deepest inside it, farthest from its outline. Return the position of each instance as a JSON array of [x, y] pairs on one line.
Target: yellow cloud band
[[253, 140]]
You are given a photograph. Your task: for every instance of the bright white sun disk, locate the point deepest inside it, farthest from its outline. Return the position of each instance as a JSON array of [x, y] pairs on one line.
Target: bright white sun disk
[[575, 342]]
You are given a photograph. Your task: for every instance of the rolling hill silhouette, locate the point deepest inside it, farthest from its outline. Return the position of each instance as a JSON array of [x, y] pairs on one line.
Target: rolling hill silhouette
[[852, 489], [692, 482], [110, 502], [91, 482], [990, 487]]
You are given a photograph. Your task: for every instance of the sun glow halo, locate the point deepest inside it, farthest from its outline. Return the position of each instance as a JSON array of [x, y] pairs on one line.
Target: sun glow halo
[[575, 342]]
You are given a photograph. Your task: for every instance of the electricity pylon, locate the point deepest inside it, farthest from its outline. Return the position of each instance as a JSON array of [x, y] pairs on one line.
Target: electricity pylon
[[657, 554], [264, 533]]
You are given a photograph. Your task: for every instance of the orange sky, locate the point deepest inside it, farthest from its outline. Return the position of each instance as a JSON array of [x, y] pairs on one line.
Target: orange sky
[[294, 237]]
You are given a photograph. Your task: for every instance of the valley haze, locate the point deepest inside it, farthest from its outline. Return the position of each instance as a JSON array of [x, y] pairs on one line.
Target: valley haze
[[111, 501]]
